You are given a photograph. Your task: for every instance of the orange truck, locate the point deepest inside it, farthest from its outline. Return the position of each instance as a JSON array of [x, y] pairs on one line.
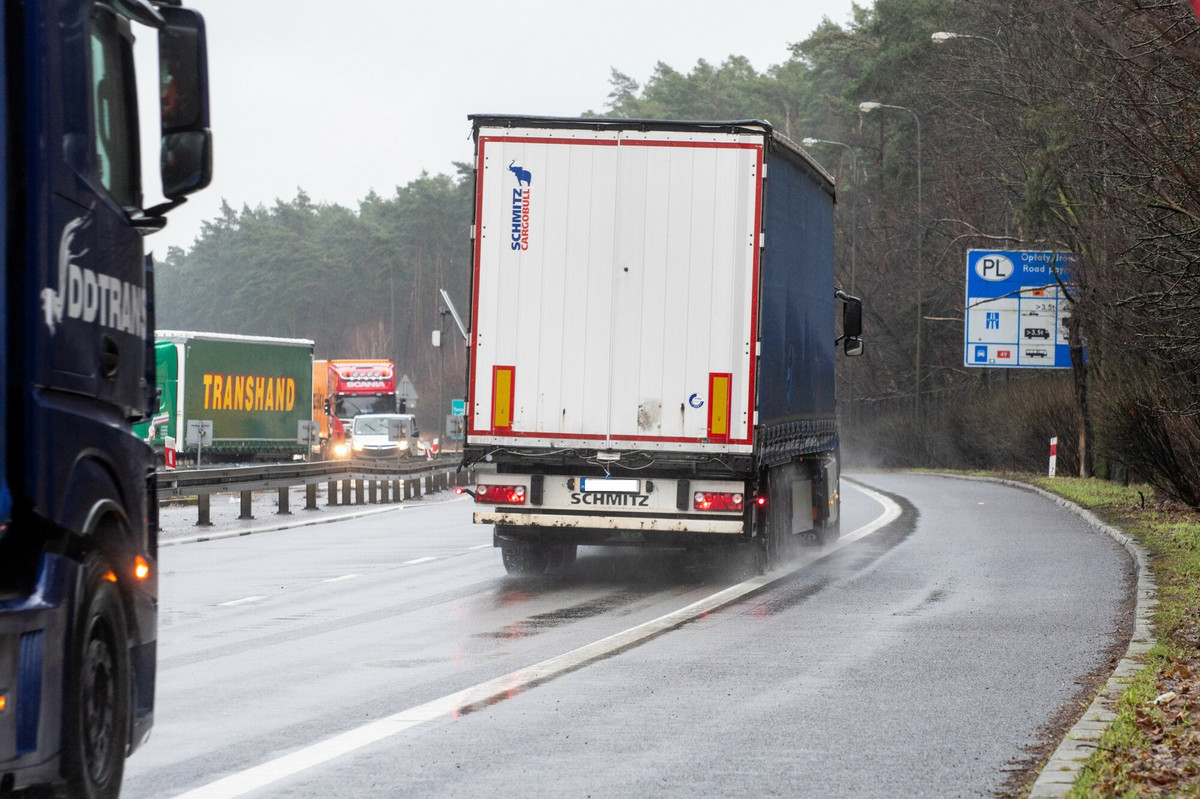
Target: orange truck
[[343, 389]]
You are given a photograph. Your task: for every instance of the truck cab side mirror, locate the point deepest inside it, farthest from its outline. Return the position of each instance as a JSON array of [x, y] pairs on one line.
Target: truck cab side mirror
[[851, 324], [186, 156]]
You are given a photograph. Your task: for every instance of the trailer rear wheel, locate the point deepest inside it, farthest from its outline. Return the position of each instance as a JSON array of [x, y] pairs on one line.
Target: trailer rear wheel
[[525, 560], [97, 719]]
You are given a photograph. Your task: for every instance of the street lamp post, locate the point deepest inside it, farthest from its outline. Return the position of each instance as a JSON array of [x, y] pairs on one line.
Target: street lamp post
[[439, 341], [867, 107]]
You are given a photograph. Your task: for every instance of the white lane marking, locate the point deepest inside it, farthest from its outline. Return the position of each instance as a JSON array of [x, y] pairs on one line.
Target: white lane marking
[[513, 683], [481, 546], [244, 601], [342, 578], [415, 562]]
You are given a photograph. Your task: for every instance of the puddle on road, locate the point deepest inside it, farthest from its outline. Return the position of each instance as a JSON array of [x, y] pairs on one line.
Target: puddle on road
[[403, 664], [812, 579], [626, 576], [535, 624]]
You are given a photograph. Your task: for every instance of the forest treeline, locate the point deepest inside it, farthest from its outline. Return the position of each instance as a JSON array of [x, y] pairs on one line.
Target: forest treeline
[[361, 283], [1060, 125]]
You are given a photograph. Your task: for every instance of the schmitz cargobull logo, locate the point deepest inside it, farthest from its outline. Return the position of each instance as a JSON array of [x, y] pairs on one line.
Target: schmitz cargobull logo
[[521, 198]]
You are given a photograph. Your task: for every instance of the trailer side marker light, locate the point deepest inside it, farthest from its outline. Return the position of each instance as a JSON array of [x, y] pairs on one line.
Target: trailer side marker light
[[111, 577], [760, 500], [714, 500], [141, 569], [500, 495], [3, 702]]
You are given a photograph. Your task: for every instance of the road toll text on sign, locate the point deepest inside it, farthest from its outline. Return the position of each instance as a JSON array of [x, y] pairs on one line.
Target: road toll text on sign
[[1016, 309]]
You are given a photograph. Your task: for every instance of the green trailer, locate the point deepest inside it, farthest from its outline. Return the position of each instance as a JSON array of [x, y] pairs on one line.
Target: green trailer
[[254, 389]]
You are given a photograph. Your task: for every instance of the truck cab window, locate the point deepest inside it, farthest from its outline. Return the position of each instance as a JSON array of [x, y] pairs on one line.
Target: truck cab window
[[114, 109]]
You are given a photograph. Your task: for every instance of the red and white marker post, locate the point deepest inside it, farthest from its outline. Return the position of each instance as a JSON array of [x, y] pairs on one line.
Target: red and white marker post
[[1053, 454]]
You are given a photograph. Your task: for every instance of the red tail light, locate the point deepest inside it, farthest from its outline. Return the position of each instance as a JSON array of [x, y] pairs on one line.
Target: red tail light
[[710, 500], [500, 495]]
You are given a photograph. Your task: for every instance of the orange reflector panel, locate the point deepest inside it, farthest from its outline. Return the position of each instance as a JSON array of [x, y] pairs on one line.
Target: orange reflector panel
[[718, 404], [141, 569], [502, 397]]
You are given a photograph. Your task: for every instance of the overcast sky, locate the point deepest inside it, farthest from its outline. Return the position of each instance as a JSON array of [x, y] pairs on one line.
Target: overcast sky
[[339, 98]]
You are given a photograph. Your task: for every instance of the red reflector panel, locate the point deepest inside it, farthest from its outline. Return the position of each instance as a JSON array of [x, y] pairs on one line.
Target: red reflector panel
[[500, 495], [709, 500]]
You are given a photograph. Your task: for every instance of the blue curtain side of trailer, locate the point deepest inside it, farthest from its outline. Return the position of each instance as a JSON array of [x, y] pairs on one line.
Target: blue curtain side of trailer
[[797, 312]]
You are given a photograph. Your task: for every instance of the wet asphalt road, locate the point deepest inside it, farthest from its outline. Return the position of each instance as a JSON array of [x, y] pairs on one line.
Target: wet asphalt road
[[918, 661]]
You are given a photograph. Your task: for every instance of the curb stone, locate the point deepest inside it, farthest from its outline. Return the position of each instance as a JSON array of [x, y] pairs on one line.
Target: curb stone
[[1066, 763]]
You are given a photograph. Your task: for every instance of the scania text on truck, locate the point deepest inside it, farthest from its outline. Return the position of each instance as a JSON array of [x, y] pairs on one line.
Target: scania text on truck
[[356, 386], [78, 513], [653, 337], [254, 389]]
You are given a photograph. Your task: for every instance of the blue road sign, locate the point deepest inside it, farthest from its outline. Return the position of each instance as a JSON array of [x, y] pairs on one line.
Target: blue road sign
[[1017, 310]]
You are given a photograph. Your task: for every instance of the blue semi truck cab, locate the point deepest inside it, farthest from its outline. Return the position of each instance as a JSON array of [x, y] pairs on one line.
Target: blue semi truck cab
[[78, 516]]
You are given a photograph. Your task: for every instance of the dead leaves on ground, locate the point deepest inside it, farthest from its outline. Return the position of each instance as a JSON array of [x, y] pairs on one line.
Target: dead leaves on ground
[[1171, 725]]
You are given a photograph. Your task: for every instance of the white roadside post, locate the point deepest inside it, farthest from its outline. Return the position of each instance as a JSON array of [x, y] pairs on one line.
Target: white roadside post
[[1053, 454]]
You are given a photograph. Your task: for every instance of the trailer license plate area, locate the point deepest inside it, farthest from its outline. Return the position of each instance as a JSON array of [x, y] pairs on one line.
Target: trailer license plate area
[[608, 485]]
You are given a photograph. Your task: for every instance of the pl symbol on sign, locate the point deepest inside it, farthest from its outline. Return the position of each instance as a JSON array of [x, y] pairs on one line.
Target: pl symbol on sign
[[994, 267]]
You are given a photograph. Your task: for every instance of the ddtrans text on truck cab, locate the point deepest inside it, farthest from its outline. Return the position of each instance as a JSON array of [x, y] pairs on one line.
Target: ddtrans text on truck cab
[[78, 512], [657, 369]]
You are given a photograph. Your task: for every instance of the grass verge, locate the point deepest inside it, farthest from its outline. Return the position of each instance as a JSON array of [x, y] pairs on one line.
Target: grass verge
[[1153, 747]]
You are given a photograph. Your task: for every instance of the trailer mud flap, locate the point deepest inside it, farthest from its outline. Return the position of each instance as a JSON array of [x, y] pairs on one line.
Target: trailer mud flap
[[792, 487]]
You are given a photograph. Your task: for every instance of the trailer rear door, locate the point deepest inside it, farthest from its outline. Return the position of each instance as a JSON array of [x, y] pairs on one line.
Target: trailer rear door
[[615, 288]]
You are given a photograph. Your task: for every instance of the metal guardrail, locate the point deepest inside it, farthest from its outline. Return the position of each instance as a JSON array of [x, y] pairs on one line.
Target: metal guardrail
[[369, 482]]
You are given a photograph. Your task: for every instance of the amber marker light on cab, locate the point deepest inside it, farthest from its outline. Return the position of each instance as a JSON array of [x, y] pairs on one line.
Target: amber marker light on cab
[[3, 702], [141, 569]]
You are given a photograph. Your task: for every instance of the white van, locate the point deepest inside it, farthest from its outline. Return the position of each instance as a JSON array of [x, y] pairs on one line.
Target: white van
[[384, 435]]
